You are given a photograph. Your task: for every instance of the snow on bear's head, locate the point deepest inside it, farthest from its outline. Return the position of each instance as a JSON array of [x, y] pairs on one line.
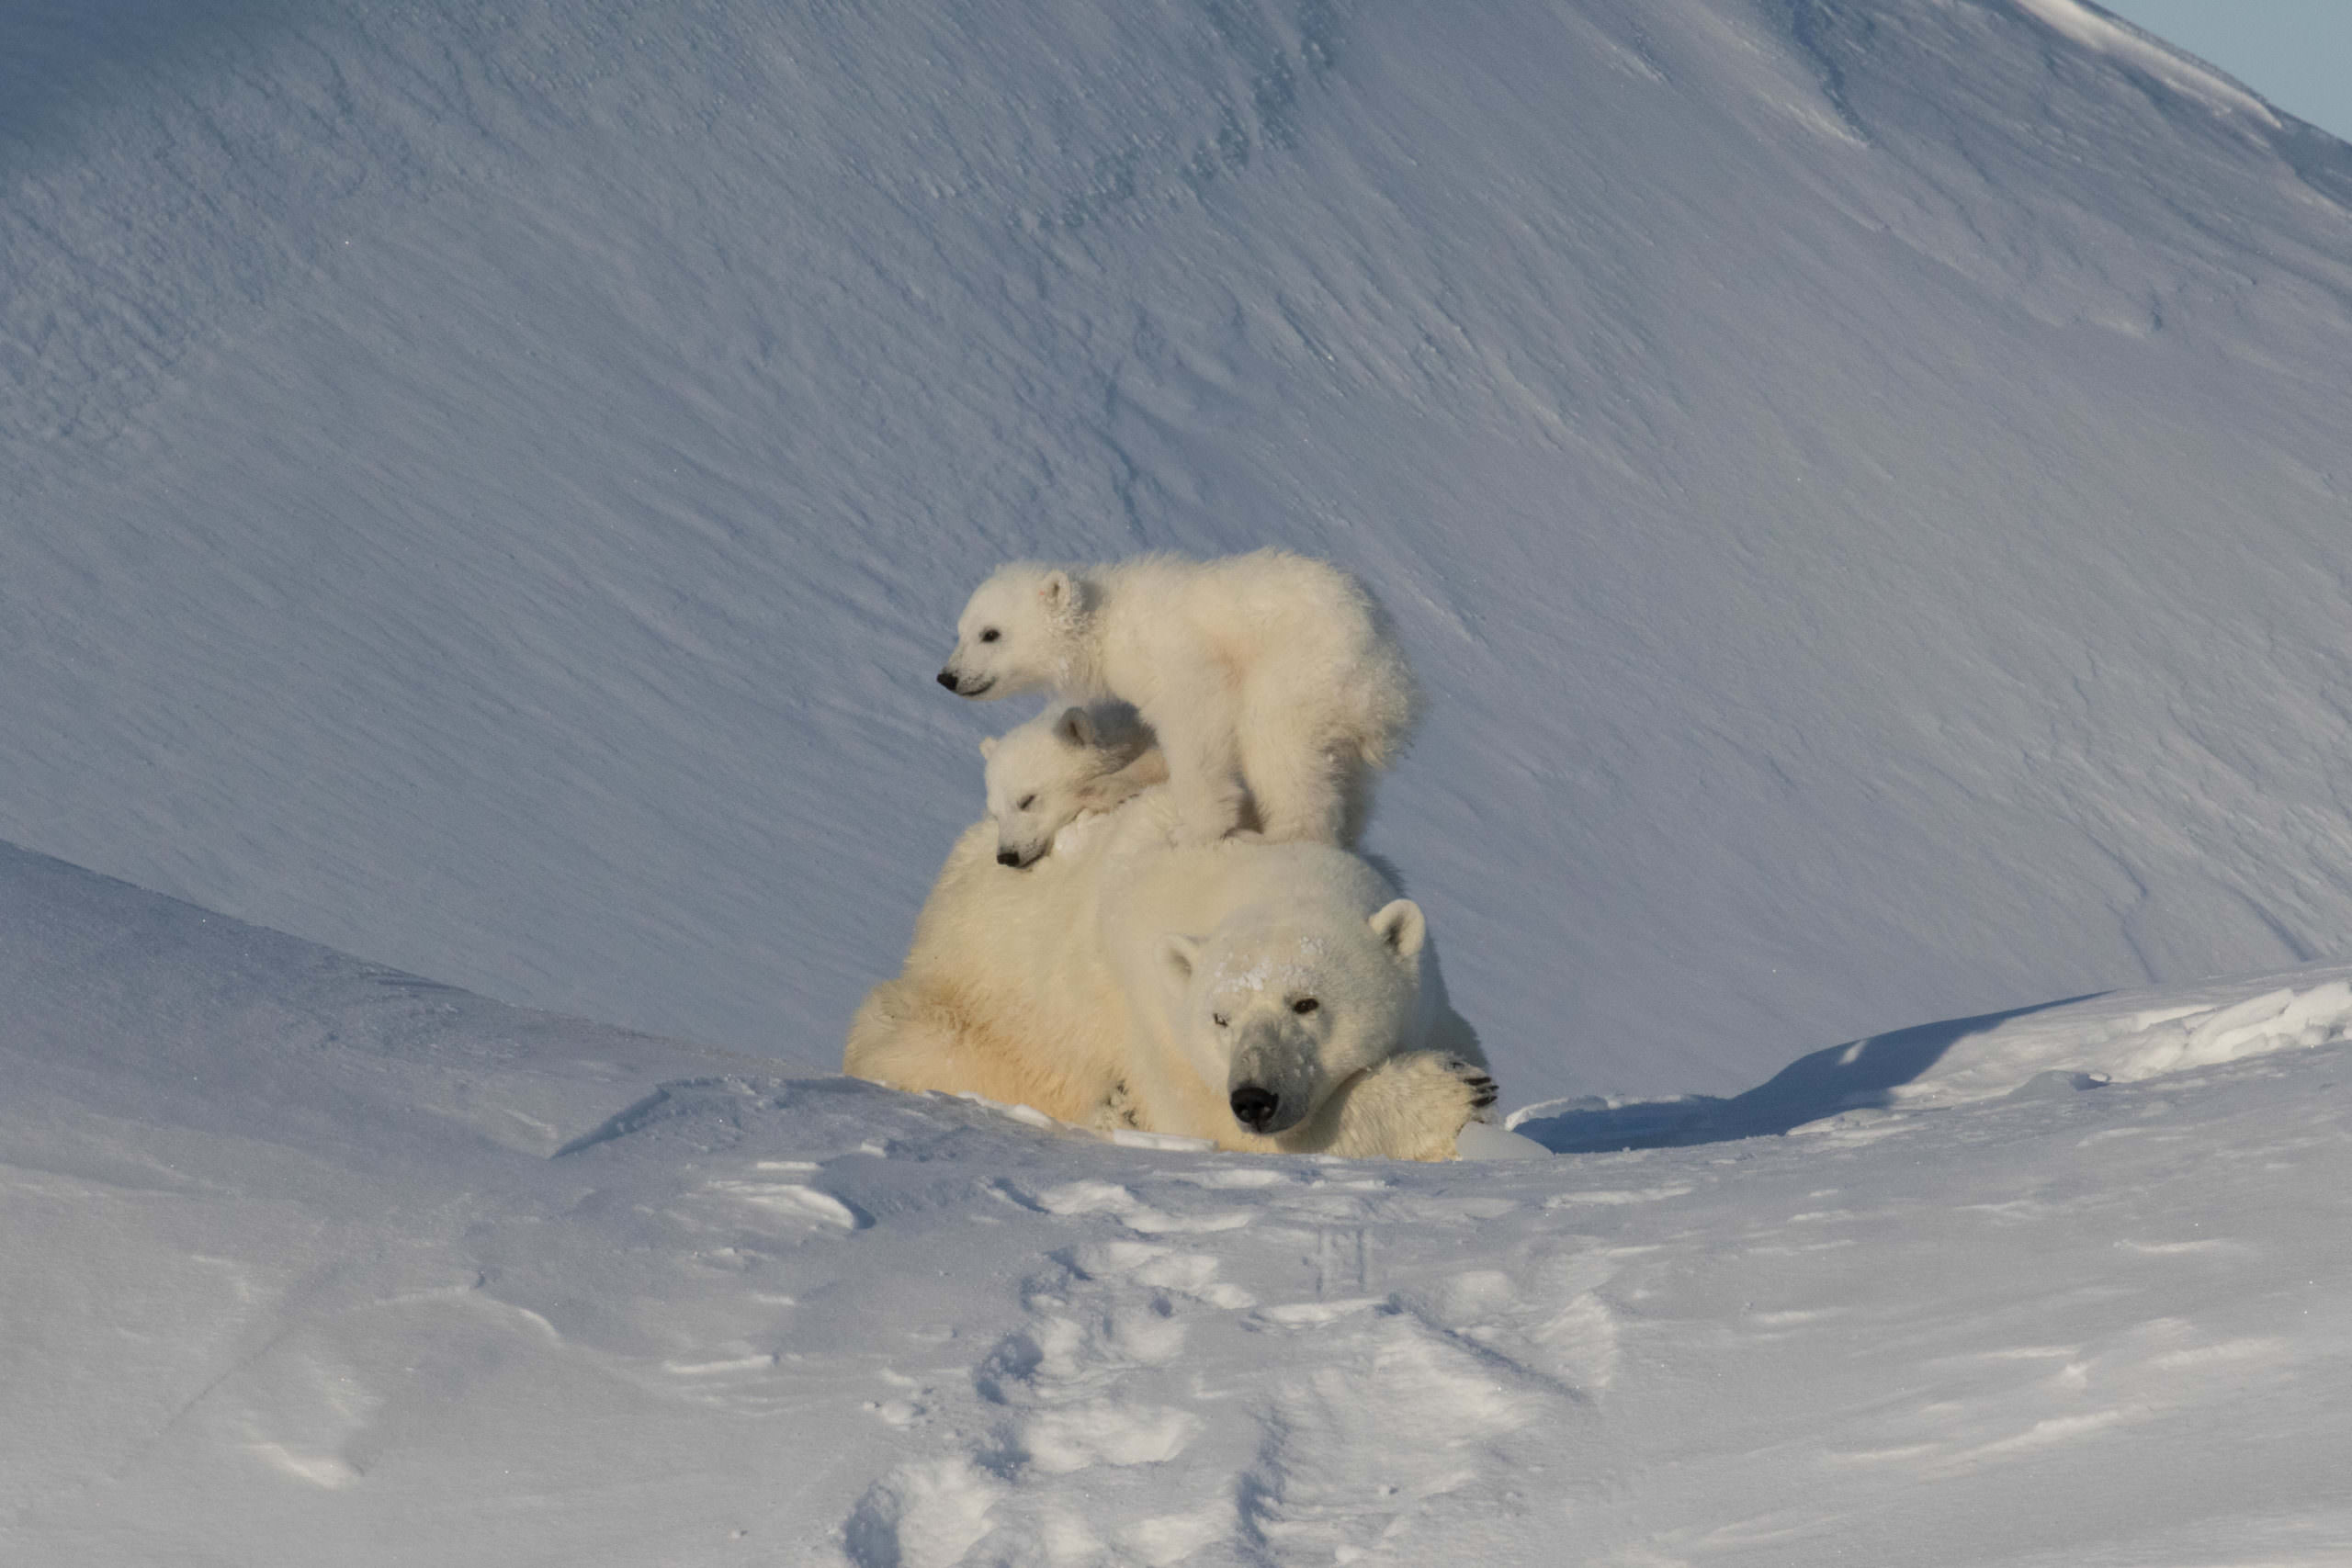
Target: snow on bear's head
[[1282, 1004], [1014, 634], [1045, 775]]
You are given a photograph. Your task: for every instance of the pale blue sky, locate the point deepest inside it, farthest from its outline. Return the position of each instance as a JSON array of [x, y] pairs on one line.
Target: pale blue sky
[[2297, 54]]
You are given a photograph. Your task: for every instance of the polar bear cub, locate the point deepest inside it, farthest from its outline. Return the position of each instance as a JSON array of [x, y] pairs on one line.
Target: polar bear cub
[[1061, 766], [1284, 998], [1267, 673]]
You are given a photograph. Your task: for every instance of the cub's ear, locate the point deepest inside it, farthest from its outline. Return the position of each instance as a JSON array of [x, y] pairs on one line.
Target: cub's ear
[[1179, 956], [1400, 927], [988, 747], [1076, 726], [1056, 590]]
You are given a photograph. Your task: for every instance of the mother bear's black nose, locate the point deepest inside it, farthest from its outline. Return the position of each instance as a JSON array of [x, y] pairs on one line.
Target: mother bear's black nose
[[1254, 1107], [947, 679]]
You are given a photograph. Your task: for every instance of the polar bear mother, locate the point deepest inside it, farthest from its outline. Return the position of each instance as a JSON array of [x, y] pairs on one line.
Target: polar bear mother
[[1270, 679], [1275, 998], [1284, 998]]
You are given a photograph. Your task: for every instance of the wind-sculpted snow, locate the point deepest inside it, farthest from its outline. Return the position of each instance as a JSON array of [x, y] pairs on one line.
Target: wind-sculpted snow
[[311, 1261], [2056, 1048], [1861, 481]]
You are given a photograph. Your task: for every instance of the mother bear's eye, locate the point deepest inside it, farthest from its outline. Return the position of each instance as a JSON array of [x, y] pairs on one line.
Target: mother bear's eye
[[1305, 1005], [991, 635], [1024, 803], [1219, 1020]]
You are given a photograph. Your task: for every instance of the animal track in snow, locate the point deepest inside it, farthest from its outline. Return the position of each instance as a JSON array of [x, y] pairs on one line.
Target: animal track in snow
[[1081, 1413], [1387, 1416], [1109, 1196], [1388, 1440], [1105, 1431]]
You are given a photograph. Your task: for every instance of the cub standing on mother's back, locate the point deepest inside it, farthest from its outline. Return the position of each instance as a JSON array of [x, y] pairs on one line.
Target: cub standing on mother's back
[[1268, 672]]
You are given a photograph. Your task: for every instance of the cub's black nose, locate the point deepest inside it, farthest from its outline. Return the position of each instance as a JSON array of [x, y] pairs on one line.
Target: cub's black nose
[[1253, 1106], [1008, 857], [947, 679]]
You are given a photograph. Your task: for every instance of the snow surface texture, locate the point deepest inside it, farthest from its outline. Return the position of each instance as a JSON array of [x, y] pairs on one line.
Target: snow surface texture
[[487, 485], [309, 1260]]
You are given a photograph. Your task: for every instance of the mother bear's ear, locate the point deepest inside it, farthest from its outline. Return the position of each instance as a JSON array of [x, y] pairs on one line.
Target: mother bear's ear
[[1399, 927], [1179, 956]]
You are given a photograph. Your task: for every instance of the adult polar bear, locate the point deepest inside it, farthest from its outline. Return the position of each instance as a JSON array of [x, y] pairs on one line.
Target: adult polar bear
[[1058, 986], [1003, 993], [1266, 670], [1307, 1018], [999, 995]]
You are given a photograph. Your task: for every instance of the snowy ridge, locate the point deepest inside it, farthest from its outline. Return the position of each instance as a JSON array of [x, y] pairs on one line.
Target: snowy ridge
[[1862, 480], [2111, 35], [311, 1261], [487, 485]]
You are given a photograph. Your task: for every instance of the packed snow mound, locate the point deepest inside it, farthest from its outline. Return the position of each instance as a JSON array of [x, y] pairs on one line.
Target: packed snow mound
[[1861, 481], [313, 1261], [2193, 1027], [2052, 1048]]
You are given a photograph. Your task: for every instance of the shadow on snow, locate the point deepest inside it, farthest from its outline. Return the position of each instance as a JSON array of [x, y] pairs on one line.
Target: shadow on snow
[[1842, 1078]]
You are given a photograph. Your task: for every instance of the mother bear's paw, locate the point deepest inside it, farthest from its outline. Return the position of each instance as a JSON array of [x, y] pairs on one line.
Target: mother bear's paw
[[1414, 1106]]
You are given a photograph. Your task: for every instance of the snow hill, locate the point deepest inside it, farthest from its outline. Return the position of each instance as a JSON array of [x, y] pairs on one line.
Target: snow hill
[[485, 488], [311, 1261], [1863, 481]]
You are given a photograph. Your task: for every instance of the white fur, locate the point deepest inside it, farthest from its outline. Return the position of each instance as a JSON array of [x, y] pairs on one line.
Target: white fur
[[1296, 972], [1004, 993], [1021, 987], [1064, 764], [1275, 682]]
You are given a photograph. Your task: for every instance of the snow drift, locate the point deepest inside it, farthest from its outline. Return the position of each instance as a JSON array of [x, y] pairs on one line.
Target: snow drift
[[1863, 481], [311, 1261]]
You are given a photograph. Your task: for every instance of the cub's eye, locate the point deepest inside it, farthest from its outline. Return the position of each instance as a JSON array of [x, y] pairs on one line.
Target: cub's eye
[[1219, 1020], [1305, 1005], [1024, 803], [991, 635]]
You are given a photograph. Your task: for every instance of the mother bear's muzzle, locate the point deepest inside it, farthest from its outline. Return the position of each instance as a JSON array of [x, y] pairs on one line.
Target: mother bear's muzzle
[[1271, 1086]]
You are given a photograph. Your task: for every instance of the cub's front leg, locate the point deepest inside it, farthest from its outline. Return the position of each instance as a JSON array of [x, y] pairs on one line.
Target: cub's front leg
[[1195, 721], [1411, 1107]]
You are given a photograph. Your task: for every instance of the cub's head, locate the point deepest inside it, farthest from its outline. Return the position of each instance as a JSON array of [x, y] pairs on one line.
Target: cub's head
[[1047, 774], [1282, 1005], [1010, 636]]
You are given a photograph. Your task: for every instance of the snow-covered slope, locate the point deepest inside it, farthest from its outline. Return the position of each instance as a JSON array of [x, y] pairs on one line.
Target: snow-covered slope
[[309, 1261], [1863, 481]]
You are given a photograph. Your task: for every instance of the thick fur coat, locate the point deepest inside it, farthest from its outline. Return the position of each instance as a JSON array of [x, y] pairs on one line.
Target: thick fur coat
[[1275, 682]]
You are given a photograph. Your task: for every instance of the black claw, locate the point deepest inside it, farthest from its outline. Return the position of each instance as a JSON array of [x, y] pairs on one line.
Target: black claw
[[1483, 1091]]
